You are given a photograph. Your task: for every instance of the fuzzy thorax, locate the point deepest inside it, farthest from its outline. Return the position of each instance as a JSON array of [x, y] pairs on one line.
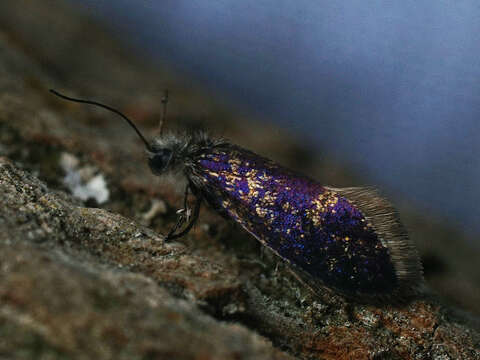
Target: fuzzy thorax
[[174, 153]]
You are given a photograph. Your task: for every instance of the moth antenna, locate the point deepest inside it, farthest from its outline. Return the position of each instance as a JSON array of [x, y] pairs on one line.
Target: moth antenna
[[164, 112], [130, 122]]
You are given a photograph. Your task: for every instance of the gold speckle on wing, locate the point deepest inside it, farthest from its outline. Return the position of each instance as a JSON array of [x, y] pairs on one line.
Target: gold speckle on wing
[[262, 212]]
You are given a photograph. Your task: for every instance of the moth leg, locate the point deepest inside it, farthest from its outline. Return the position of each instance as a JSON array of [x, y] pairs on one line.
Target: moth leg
[[178, 224], [185, 209], [196, 212], [181, 214]]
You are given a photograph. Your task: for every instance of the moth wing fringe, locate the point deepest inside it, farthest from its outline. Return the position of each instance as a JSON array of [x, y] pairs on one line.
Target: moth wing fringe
[[384, 219]]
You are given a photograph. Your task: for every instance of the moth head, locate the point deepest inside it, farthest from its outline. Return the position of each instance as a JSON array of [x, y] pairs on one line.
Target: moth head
[[167, 153], [161, 152], [160, 158]]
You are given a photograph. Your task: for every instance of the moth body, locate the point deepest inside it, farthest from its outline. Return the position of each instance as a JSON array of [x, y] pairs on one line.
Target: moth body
[[349, 239]]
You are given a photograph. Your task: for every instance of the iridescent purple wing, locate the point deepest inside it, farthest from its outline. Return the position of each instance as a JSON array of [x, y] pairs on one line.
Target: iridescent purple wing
[[347, 239]]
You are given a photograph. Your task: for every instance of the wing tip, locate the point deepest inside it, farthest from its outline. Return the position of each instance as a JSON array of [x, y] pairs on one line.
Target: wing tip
[[384, 219]]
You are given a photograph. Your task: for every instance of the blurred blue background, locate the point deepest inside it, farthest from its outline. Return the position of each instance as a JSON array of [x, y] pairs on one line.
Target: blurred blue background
[[390, 88]]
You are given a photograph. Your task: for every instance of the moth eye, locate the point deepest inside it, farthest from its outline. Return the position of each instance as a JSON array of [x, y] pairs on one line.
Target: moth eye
[[160, 160]]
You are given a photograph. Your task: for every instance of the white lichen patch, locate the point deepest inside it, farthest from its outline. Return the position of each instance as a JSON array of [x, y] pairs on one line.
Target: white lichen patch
[[83, 182]]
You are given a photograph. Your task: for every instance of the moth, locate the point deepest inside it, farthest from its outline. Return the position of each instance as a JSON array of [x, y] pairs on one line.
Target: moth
[[347, 239]]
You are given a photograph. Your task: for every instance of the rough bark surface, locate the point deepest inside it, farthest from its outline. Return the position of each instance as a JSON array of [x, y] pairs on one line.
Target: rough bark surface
[[83, 280]]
